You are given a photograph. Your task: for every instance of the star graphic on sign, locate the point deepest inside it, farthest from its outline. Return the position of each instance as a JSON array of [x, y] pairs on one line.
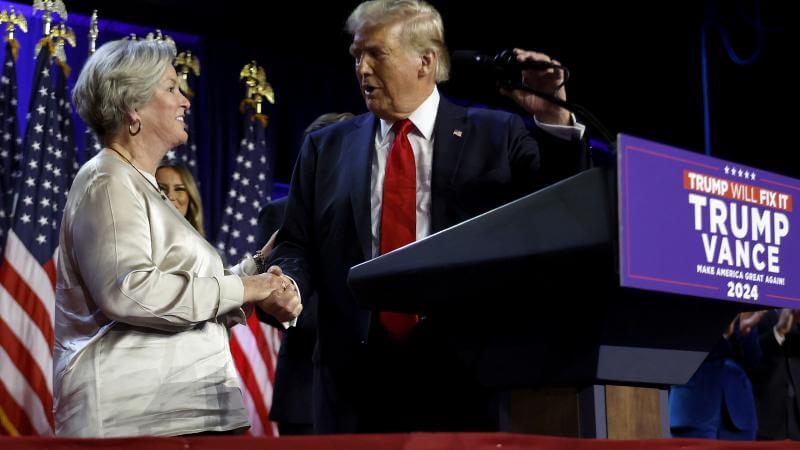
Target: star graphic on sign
[[740, 173], [727, 170], [752, 175]]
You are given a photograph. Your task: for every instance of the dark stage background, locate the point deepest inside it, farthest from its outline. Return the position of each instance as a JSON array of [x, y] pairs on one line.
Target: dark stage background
[[636, 65]]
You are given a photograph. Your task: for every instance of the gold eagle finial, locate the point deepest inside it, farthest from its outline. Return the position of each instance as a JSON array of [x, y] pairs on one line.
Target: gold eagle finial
[[258, 89]]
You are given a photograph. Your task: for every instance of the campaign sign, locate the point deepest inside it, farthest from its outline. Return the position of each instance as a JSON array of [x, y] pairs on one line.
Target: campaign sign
[[695, 225]]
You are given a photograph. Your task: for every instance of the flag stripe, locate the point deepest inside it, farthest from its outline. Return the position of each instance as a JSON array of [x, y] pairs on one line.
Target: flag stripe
[[249, 380], [256, 427], [17, 295], [17, 420], [18, 354], [35, 275], [23, 329], [265, 349], [249, 347], [50, 269], [20, 392]]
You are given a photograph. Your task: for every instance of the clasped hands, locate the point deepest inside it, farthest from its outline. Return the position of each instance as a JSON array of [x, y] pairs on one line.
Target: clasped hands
[[274, 293]]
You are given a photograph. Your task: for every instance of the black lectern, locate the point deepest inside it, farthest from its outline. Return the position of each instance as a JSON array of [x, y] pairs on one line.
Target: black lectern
[[530, 294]]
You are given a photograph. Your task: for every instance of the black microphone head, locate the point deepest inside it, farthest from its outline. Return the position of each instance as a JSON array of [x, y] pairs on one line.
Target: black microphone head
[[469, 57]]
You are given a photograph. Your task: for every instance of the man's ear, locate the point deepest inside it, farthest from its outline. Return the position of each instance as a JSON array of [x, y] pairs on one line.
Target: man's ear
[[428, 63]]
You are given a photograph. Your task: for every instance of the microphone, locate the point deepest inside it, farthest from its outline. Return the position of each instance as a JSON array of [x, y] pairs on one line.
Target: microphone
[[504, 61]]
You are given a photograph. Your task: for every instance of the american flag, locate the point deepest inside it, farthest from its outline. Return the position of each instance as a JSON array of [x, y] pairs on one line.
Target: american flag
[[91, 146], [66, 132], [27, 276], [186, 154], [254, 347], [10, 142]]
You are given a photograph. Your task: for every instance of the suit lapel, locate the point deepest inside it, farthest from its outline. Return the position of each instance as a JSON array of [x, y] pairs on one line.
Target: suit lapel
[[361, 143], [450, 133]]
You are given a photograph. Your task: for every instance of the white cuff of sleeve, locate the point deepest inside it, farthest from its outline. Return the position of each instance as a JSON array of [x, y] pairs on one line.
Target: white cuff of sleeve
[[566, 132], [778, 337], [293, 322]]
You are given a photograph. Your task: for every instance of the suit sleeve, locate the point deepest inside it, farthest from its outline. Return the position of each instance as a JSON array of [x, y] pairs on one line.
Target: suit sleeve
[[538, 159], [270, 219], [295, 240], [112, 248]]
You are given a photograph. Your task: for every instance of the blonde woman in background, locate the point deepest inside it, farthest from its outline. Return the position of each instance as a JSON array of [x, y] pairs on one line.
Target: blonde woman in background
[[177, 183]]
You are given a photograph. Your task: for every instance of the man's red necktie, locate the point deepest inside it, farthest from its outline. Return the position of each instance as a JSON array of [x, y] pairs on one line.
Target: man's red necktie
[[399, 214]]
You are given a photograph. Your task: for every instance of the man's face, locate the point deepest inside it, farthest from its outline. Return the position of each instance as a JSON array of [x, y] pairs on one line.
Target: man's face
[[389, 72]]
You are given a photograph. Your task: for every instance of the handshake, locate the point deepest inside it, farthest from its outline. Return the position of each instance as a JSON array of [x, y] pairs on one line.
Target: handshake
[[274, 293]]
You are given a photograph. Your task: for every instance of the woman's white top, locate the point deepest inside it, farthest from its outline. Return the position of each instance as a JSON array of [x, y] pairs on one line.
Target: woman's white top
[[143, 303]]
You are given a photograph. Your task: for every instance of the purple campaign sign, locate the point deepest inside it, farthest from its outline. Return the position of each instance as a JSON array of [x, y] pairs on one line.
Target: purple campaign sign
[[696, 225]]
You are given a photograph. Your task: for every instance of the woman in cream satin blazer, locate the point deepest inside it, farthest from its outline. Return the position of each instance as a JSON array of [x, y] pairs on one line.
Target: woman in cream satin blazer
[[143, 302]]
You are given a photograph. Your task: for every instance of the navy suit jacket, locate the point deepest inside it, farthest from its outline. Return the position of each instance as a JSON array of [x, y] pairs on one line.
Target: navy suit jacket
[[481, 159]]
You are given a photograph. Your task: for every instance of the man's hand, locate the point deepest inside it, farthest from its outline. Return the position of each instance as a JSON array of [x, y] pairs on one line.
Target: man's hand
[[785, 321], [549, 81], [283, 303], [747, 320]]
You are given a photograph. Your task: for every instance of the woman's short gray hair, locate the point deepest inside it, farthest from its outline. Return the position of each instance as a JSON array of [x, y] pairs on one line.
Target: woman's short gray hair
[[422, 26], [120, 77]]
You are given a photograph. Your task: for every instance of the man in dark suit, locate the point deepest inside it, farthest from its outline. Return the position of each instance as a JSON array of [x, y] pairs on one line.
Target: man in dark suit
[[291, 396], [415, 164], [777, 379]]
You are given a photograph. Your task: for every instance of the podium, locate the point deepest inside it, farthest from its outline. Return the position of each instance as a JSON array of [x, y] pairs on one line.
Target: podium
[[530, 295]]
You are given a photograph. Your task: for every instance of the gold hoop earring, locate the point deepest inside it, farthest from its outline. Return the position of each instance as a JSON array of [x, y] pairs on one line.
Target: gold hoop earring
[[130, 128]]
